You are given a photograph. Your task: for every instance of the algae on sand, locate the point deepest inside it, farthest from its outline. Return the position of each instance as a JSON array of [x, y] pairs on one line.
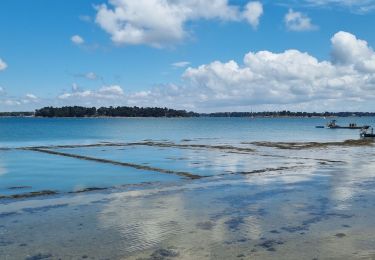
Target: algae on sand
[[311, 145]]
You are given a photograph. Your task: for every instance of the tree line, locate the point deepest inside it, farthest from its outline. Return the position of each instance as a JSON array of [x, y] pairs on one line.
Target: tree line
[[16, 114], [287, 114], [78, 111], [123, 111]]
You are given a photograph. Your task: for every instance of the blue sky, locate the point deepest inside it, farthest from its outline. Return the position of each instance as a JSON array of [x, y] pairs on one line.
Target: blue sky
[[163, 53]]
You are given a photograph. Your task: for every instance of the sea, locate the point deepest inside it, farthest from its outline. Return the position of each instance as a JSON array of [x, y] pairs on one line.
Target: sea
[[186, 188]]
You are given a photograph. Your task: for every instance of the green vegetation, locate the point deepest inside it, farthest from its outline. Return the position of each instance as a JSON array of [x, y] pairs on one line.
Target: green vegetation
[[15, 114], [78, 111], [287, 114]]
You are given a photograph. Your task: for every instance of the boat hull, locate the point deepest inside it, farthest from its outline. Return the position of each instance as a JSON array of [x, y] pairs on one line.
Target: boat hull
[[368, 135], [349, 127]]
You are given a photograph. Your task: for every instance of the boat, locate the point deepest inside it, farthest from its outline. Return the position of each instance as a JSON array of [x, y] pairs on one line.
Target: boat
[[332, 124], [365, 134]]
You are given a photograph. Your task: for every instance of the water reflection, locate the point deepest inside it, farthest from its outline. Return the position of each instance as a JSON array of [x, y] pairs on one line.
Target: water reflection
[[320, 201], [3, 170]]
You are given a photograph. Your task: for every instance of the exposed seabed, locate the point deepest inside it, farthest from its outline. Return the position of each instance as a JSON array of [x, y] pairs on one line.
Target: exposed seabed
[[188, 200]]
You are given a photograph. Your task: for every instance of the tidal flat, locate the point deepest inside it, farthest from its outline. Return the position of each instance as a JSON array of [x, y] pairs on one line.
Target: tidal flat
[[188, 198]]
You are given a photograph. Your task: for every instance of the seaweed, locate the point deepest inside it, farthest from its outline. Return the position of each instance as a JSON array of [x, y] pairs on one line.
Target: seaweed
[[89, 189], [270, 244], [29, 194], [207, 225], [126, 164], [311, 145], [162, 253], [283, 168], [195, 146], [19, 187]]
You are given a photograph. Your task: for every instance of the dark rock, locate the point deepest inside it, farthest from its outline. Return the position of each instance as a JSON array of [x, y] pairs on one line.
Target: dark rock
[[340, 235], [207, 225], [162, 254]]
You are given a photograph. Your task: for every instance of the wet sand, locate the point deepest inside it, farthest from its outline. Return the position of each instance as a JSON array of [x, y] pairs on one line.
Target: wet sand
[[248, 201]]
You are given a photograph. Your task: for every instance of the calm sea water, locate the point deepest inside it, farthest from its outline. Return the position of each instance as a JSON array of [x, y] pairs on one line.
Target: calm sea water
[[252, 202], [41, 131]]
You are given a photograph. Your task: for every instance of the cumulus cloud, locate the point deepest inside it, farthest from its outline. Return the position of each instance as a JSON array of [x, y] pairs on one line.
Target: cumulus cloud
[[264, 80], [296, 21], [162, 22], [348, 50], [284, 79], [76, 39], [252, 13], [3, 65], [105, 93]]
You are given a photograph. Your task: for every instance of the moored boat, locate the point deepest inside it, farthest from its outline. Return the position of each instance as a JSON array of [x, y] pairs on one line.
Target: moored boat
[[332, 124], [365, 134]]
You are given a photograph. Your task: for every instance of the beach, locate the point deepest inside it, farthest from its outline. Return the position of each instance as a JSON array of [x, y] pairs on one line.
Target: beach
[[195, 188]]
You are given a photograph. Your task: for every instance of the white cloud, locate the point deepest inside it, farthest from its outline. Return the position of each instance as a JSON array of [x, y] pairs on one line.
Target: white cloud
[[2, 91], [3, 65], [288, 79], [357, 6], [76, 39], [252, 13], [349, 3], [10, 102], [347, 49], [89, 75], [181, 64], [31, 96], [264, 80], [113, 92], [162, 23], [296, 21]]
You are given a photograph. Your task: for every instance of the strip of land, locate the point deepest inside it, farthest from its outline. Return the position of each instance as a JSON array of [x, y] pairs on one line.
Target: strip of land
[[126, 164]]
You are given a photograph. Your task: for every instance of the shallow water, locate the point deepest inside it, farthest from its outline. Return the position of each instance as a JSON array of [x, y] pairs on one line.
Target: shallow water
[[38, 131], [27, 171], [251, 202]]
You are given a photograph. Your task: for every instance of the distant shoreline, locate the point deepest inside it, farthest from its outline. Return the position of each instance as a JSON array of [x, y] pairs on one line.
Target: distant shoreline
[[156, 112], [155, 117]]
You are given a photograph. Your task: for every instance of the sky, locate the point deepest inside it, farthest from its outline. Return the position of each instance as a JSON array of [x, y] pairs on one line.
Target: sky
[[199, 55]]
